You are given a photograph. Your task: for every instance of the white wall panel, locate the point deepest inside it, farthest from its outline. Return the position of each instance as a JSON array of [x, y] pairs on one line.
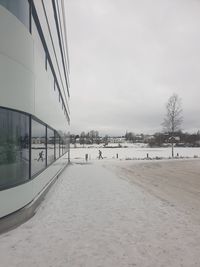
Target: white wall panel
[[16, 85], [16, 41], [16, 64], [15, 198], [24, 82]]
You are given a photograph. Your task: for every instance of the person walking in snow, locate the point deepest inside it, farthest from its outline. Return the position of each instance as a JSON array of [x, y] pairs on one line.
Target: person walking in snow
[[100, 154]]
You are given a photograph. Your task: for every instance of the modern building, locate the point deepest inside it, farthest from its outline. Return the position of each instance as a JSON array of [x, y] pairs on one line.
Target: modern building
[[34, 97]]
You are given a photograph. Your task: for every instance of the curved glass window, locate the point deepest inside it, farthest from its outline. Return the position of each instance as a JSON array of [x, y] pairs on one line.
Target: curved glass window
[[61, 147], [14, 147], [19, 8], [38, 147], [50, 146], [16, 165], [57, 142]]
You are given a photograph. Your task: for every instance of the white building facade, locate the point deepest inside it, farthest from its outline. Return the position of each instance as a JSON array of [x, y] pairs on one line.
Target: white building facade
[[34, 99]]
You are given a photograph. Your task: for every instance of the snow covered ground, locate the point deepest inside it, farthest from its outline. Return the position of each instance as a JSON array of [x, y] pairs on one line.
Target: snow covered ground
[[113, 213], [132, 152]]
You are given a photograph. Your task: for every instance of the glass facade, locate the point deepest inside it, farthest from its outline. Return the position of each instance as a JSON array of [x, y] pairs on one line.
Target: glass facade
[[50, 146], [66, 141], [61, 147], [14, 147], [19, 8], [38, 147], [17, 158], [57, 143]]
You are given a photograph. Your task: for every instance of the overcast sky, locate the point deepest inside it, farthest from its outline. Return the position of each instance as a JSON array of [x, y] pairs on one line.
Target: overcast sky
[[127, 57]]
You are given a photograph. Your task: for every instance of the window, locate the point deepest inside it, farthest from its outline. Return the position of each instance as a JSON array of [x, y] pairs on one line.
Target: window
[[19, 8], [14, 148], [57, 141], [38, 147], [61, 147], [46, 147], [65, 143], [50, 146]]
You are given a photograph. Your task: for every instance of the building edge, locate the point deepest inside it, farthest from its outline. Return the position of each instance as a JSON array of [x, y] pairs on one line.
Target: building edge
[[27, 64]]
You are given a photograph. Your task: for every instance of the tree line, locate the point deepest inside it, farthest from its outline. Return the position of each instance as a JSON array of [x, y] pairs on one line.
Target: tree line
[[91, 137], [171, 133], [158, 139]]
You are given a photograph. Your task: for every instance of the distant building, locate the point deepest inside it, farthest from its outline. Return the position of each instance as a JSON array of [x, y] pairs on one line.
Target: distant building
[[174, 139], [116, 140]]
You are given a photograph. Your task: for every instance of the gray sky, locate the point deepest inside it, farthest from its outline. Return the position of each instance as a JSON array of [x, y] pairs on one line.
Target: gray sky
[[127, 58]]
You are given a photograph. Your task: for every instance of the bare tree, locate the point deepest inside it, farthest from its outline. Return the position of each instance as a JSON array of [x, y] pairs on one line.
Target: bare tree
[[173, 119]]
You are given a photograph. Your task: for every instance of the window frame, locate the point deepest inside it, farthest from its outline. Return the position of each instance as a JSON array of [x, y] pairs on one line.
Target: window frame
[[30, 178]]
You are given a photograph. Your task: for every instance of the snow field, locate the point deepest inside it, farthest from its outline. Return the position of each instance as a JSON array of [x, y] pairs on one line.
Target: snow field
[[133, 152], [93, 218]]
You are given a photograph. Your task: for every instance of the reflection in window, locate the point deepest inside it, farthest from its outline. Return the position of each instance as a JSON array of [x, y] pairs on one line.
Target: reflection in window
[[14, 147], [66, 142], [64, 147], [50, 146], [61, 147], [19, 8], [57, 139], [38, 147]]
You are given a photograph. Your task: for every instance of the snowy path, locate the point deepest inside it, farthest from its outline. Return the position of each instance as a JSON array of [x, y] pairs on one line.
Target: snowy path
[[92, 218]]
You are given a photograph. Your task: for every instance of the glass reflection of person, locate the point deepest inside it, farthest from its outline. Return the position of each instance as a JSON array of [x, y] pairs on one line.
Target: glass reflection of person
[[41, 156]]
